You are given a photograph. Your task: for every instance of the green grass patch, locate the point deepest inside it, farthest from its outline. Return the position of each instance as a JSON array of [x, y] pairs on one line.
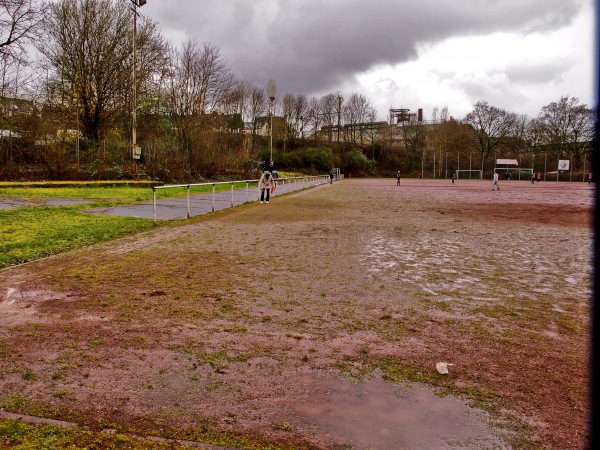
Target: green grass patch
[[33, 233], [16, 434], [117, 194], [37, 230], [396, 371]]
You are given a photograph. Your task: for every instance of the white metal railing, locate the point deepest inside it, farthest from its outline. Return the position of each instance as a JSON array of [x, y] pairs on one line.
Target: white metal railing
[[291, 183]]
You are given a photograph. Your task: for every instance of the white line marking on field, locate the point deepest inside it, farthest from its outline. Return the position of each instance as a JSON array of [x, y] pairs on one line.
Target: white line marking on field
[[7, 300]]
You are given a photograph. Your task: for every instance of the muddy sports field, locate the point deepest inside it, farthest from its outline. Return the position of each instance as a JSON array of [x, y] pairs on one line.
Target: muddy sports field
[[316, 322]]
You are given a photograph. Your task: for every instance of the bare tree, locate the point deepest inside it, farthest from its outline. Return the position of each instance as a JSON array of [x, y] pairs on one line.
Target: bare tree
[[199, 89], [413, 137], [328, 110], [215, 80], [295, 109], [89, 46], [357, 113], [299, 114], [534, 133], [491, 127], [235, 99], [255, 109], [314, 116], [567, 127], [287, 106], [517, 141], [20, 23]]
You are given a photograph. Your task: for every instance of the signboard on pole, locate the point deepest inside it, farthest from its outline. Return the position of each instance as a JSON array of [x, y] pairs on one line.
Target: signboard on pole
[[508, 162], [137, 151], [564, 164]]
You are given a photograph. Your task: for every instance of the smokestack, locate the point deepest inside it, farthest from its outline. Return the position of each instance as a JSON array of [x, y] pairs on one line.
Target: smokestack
[[420, 115]]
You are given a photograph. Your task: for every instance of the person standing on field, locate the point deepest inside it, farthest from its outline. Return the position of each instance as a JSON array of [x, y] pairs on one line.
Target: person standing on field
[[265, 184], [398, 178], [539, 177], [495, 183]]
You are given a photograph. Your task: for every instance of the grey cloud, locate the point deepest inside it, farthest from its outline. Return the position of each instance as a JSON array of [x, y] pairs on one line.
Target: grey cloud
[[311, 46], [538, 73]]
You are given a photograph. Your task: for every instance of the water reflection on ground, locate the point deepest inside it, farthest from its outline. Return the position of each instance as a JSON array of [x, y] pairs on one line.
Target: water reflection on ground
[[379, 415]]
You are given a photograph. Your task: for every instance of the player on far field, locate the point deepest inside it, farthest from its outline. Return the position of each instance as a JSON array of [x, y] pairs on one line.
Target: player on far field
[[495, 183]]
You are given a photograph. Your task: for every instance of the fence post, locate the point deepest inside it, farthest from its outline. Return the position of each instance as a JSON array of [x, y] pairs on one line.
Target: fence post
[[188, 201], [154, 202], [232, 194], [213, 198]]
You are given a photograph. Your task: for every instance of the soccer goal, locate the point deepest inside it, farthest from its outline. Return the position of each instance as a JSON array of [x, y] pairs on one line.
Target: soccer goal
[[516, 173], [469, 174], [513, 172]]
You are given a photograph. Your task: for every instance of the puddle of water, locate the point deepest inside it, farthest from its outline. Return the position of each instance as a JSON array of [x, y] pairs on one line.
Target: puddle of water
[[378, 415], [20, 203], [13, 296], [17, 307]]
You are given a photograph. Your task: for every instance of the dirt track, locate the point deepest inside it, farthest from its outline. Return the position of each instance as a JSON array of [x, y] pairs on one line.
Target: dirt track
[[295, 321]]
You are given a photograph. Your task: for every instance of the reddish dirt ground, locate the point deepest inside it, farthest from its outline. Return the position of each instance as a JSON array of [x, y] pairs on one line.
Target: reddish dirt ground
[[318, 320]]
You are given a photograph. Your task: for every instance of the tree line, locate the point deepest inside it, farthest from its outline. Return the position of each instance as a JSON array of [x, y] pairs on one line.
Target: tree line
[[69, 112]]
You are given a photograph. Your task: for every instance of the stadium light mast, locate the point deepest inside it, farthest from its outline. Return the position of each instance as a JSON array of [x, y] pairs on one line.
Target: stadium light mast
[[339, 118], [136, 150], [271, 128]]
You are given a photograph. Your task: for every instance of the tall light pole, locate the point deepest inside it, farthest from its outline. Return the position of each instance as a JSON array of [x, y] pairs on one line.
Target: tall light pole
[[136, 150], [271, 128], [339, 119]]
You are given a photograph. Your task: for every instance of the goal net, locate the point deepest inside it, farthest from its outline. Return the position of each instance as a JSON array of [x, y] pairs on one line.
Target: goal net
[[469, 174], [516, 173]]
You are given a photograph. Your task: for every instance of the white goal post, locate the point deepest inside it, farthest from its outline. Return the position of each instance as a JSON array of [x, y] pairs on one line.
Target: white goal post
[[468, 174], [510, 170], [518, 170]]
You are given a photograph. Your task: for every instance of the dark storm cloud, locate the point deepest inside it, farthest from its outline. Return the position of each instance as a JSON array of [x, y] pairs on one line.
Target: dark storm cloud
[[311, 46]]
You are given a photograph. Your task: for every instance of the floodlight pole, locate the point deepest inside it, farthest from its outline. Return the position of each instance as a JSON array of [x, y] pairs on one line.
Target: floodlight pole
[[271, 128], [135, 150], [339, 124]]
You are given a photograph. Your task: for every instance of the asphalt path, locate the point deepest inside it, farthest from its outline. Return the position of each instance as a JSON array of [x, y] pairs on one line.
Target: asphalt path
[[177, 208]]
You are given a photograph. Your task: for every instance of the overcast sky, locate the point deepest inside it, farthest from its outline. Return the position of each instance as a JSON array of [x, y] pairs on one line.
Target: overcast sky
[[518, 55]]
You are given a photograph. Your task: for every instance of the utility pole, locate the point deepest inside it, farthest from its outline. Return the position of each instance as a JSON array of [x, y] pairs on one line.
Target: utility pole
[[136, 150], [339, 119], [271, 129]]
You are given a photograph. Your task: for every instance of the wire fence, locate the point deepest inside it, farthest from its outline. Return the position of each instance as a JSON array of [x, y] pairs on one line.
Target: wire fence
[[239, 192]]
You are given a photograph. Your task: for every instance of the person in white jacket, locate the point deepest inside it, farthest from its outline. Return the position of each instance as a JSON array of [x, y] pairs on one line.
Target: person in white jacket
[[265, 184], [495, 183]]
